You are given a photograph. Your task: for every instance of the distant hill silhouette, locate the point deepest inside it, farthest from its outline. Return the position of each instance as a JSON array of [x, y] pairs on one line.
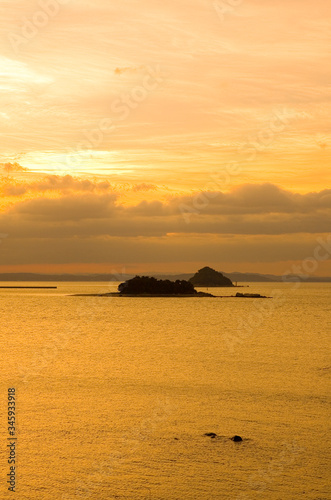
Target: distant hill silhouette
[[209, 277], [152, 286]]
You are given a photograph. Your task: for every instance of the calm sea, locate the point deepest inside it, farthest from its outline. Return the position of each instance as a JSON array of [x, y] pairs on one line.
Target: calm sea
[[114, 395]]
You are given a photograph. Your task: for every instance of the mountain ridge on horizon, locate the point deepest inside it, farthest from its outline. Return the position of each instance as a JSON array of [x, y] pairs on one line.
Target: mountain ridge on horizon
[[80, 277]]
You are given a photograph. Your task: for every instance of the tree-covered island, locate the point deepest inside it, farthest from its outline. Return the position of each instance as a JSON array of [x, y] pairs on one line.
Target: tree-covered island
[[149, 286]]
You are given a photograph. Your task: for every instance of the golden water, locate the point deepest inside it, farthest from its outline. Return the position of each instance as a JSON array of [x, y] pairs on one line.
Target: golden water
[[114, 395]]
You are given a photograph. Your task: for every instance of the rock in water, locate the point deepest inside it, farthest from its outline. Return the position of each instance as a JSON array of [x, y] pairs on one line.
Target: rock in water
[[211, 434], [236, 438]]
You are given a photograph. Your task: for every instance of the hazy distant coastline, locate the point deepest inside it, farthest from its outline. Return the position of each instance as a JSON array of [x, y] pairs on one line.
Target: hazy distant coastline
[[235, 277]]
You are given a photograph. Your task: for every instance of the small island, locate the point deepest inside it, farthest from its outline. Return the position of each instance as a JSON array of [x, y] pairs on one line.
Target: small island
[[208, 277], [145, 286]]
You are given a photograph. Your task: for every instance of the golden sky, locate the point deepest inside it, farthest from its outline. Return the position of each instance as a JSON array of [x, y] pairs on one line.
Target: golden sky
[[162, 136]]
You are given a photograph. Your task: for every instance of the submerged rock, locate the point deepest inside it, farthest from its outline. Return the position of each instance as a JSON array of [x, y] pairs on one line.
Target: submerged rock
[[211, 434]]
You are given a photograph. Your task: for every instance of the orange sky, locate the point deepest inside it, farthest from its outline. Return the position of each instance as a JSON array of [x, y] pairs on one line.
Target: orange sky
[[162, 137]]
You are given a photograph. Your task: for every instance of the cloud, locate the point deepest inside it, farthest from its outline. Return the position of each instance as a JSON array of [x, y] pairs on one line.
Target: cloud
[[254, 199], [190, 252], [62, 184], [14, 190], [250, 209], [66, 208], [13, 167], [252, 223], [225, 81], [144, 187]]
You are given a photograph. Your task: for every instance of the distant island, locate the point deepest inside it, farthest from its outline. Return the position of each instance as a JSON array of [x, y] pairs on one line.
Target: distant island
[[148, 286], [208, 277]]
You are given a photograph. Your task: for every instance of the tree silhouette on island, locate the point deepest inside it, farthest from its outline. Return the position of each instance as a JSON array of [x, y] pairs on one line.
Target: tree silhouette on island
[[145, 285]]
